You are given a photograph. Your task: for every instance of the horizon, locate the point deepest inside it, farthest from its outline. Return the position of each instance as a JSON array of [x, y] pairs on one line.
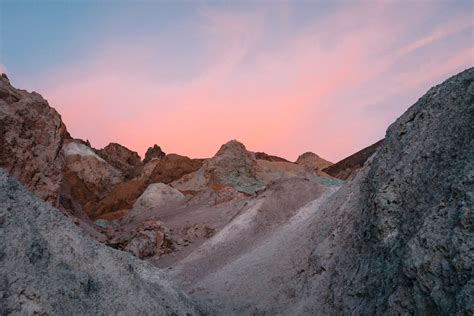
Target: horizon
[[284, 78]]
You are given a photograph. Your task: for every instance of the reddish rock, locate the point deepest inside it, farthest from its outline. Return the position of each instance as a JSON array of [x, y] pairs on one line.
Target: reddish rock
[[31, 137], [121, 158], [87, 177], [173, 167]]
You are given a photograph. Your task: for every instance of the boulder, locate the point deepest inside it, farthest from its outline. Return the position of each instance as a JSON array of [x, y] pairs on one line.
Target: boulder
[[158, 195]]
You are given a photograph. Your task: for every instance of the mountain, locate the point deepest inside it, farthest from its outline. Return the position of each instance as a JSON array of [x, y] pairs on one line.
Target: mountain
[[394, 240], [239, 234], [31, 138]]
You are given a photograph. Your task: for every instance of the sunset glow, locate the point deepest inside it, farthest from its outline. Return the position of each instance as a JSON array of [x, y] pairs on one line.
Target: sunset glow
[[281, 78]]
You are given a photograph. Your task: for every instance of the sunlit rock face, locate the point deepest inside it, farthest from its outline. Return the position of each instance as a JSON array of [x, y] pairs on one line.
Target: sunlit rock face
[[31, 137]]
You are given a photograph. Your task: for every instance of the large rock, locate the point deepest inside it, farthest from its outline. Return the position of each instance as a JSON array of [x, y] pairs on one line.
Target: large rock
[[313, 162], [87, 177], [172, 167], [120, 157], [232, 165], [404, 244], [158, 195], [31, 138], [49, 267], [154, 152], [347, 168]]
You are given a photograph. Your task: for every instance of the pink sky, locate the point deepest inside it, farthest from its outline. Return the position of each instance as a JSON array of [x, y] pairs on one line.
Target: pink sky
[[331, 85]]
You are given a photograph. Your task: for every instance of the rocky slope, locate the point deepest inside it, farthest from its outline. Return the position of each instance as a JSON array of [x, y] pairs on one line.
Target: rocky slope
[[49, 267], [31, 138], [347, 168], [121, 157], [396, 240], [406, 244]]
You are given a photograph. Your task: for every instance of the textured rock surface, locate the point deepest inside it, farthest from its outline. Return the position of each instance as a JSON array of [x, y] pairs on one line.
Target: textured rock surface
[[405, 246], [87, 177], [152, 153], [312, 160], [347, 168], [172, 167], [31, 138], [232, 165], [49, 267], [158, 195], [120, 157]]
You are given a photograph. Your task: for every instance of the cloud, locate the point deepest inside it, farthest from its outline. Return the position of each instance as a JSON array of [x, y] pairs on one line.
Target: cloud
[[329, 87]]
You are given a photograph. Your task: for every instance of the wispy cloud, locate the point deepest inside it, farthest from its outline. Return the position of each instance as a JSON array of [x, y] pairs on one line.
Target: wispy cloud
[[311, 89]]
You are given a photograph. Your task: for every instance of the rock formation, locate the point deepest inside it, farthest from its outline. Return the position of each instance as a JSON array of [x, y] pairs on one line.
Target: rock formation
[[31, 137], [396, 240], [405, 245], [120, 157], [87, 177], [158, 195], [49, 267], [152, 153], [347, 168], [312, 160], [232, 165]]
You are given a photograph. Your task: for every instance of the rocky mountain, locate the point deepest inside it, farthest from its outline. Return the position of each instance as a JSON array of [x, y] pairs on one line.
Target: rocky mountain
[[347, 168], [154, 152], [396, 240], [243, 232], [50, 268], [313, 162], [403, 245], [31, 138], [120, 157]]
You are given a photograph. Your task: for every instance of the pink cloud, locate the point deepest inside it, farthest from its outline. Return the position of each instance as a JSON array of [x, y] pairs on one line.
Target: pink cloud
[[310, 94]]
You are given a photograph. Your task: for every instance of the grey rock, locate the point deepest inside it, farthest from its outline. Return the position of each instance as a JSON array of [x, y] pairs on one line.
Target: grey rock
[[404, 244], [49, 267]]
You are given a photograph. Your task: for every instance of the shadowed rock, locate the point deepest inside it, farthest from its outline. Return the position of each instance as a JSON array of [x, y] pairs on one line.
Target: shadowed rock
[[347, 168], [49, 267]]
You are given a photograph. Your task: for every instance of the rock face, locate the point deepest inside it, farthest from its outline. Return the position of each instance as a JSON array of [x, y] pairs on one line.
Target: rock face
[[87, 177], [158, 195], [31, 138], [153, 152], [172, 167], [49, 267], [347, 168], [232, 165], [312, 160], [121, 158], [406, 244]]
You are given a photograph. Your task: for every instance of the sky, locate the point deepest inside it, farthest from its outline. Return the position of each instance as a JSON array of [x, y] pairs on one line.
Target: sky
[[284, 77]]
